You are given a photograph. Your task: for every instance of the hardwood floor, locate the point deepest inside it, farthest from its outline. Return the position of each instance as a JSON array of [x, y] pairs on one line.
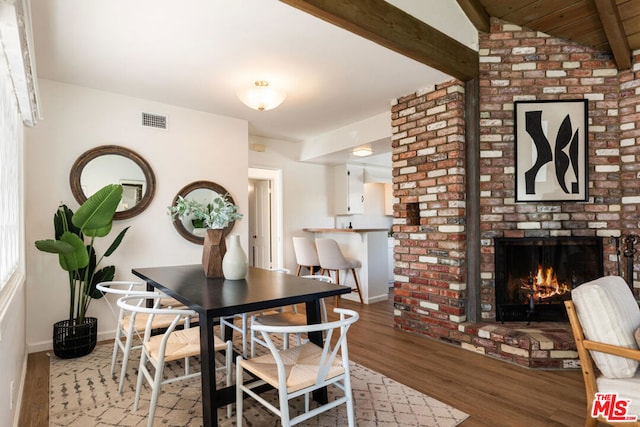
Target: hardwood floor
[[494, 393]]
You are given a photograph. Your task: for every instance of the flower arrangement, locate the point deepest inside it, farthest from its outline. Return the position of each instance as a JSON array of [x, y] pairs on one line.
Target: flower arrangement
[[216, 214]]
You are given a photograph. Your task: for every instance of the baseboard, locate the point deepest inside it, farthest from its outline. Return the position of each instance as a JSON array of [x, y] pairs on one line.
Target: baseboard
[[354, 297], [378, 298], [18, 402], [48, 344]]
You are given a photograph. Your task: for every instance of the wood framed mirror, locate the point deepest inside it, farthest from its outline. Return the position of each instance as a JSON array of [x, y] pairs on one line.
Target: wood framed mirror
[[203, 192], [113, 164]]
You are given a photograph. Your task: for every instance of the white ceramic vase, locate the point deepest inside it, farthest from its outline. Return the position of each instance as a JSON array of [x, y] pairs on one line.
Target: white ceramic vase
[[235, 262]]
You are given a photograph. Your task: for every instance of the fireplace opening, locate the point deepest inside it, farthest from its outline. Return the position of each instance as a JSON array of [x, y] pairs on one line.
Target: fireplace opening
[[534, 276]]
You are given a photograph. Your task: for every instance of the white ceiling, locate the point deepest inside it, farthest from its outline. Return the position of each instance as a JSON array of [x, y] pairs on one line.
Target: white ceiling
[[198, 53]]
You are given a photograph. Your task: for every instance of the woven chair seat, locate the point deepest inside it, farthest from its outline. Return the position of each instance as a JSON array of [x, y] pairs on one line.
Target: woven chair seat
[[159, 321], [171, 302], [287, 318], [243, 328], [301, 366], [181, 344]]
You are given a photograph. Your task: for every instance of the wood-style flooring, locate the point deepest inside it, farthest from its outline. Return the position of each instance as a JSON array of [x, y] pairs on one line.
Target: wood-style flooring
[[493, 392]]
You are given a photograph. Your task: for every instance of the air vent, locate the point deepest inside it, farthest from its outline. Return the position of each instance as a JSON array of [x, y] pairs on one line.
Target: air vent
[[154, 121]]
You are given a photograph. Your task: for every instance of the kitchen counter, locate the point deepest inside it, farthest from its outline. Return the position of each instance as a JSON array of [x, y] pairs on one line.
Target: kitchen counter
[[370, 247], [344, 230]]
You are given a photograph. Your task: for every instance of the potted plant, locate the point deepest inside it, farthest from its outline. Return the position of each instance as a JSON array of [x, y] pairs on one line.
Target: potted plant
[[77, 335], [215, 216]]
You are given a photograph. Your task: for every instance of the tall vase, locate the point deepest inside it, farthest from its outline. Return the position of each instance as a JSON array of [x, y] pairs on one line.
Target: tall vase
[[213, 252], [235, 262]]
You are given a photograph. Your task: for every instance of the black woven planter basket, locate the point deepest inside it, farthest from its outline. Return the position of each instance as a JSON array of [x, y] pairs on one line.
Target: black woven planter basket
[[71, 340]]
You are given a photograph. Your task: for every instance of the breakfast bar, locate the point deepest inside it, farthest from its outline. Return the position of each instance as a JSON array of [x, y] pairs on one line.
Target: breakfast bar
[[370, 247]]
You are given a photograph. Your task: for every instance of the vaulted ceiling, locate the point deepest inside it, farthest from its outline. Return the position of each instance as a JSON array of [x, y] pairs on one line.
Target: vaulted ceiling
[[611, 26], [192, 55], [197, 54]]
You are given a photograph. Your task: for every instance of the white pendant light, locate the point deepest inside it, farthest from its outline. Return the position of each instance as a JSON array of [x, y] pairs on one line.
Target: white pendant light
[[261, 96]]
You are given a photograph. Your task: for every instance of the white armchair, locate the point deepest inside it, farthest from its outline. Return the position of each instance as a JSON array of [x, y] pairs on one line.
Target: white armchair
[[604, 317]]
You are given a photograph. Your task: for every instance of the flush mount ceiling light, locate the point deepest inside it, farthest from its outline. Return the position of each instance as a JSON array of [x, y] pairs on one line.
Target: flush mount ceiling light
[[261, 96], [362, 151]]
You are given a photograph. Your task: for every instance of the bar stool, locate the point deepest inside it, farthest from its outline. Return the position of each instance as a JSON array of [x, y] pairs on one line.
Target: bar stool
[[332, 259], [306, 254]]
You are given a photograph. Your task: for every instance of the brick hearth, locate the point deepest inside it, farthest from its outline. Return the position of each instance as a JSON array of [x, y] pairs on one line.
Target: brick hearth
[[431, 289], [547, 345]]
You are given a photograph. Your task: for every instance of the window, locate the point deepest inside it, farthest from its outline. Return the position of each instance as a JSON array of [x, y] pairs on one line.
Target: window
[[9, 176]]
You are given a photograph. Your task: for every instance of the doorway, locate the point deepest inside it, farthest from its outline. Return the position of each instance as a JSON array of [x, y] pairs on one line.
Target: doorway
[[265, 218]]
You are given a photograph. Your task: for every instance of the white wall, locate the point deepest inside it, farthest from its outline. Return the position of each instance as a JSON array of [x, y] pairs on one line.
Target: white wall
[[196, 146], [308, 194], [305, 190]]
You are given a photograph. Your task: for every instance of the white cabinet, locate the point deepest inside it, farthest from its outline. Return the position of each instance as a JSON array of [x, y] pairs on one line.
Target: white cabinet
[[388, 199], [349, 189], [390, 245]]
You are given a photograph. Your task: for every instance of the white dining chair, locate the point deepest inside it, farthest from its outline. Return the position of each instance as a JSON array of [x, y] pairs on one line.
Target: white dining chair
[[286, 318], [124, 328], [297, 371], [172, 344], [230, 321]]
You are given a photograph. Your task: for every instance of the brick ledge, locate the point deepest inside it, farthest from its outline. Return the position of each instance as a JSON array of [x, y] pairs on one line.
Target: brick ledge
[[547, 345]]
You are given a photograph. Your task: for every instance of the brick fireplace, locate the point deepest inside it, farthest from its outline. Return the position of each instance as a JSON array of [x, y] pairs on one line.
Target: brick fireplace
[[534, 276], [431, 290]]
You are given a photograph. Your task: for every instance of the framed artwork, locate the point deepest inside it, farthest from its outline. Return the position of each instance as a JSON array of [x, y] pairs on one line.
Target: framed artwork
[[551, 150]]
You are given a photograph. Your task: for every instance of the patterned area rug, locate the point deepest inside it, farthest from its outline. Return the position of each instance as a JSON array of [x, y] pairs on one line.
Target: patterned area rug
[[83, 393]]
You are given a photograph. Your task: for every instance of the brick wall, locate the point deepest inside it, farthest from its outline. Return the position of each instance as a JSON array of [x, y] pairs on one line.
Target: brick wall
[[428, 163], [520, 64], [428, 160], [629, 113]]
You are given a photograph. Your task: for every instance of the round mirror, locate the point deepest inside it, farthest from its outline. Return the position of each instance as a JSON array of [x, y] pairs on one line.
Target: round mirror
[[112, 164], [203, 192]]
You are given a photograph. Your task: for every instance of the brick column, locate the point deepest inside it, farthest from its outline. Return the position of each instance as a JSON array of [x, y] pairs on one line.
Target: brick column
[[429, 226]]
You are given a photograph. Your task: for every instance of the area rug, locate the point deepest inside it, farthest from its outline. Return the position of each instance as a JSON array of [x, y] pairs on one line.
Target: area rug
[[83, 393]]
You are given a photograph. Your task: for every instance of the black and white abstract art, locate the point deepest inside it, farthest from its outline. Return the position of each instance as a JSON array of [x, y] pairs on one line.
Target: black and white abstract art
[[551, 150]]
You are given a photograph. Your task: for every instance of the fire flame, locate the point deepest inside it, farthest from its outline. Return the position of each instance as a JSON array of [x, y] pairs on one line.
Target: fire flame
[[545, 284]]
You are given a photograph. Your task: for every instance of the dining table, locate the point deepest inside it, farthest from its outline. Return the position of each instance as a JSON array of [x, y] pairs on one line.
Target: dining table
[[212, 298]]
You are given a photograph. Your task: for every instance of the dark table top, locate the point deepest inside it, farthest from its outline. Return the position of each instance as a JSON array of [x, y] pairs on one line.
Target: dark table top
[[260, 290]]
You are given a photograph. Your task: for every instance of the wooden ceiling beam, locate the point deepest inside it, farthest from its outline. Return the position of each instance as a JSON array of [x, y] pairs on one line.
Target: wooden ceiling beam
[[612, 24], [476, 13], [391, 27]]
